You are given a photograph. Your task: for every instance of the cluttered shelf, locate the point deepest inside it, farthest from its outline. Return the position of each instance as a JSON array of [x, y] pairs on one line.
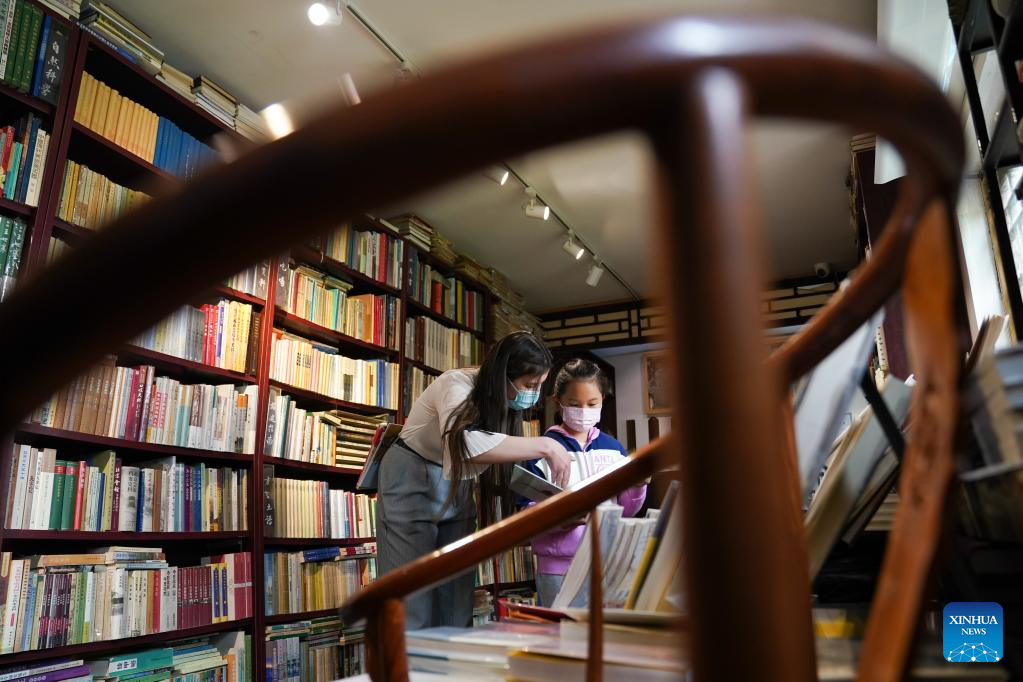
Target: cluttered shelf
[[34, 434], [116, 645]]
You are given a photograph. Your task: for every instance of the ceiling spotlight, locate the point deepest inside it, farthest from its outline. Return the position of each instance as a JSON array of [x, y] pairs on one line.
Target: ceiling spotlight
[[498, 174], [320, 14], [536, 209], [573, 249], [277, 120], [595, 273]]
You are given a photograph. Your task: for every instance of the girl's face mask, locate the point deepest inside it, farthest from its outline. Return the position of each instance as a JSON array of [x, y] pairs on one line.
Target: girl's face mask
[[580, 419]]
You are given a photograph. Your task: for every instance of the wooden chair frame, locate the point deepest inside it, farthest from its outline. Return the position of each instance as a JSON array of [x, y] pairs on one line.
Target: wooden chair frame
[[690, 84]]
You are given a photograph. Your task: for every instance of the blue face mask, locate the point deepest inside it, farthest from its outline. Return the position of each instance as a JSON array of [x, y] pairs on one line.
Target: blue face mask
[[524, 399]]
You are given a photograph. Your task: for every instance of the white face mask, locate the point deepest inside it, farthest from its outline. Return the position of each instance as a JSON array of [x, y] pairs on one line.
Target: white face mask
[[580, 419]]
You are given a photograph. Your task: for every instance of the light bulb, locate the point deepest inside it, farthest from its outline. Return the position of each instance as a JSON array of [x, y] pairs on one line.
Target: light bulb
[[318, 14]]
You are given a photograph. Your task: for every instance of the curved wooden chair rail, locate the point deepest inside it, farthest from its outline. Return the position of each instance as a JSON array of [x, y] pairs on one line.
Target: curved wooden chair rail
[[690, 84]]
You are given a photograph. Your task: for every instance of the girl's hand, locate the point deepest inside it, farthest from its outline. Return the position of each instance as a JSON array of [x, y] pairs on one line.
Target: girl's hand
[[559, 461]]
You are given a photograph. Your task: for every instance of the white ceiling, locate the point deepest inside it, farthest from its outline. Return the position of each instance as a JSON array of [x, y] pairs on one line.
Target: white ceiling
[[266, 51]]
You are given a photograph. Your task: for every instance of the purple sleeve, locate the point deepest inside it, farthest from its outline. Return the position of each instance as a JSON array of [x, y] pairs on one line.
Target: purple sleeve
[[631, 499]]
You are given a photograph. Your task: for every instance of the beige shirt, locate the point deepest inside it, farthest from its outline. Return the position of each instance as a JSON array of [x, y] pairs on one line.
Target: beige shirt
[[428, 420]]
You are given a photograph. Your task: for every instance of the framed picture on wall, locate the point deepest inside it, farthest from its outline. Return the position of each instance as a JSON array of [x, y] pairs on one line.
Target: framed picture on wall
[[656, 389]]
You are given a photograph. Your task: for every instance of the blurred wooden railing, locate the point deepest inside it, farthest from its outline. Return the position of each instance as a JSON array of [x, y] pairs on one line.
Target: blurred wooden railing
[[691, 85]]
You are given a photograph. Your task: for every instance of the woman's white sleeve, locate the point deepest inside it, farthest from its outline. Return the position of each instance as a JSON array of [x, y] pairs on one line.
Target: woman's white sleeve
[[476, 442]]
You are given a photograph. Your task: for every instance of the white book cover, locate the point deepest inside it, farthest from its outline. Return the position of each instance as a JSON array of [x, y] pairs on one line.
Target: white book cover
[[129, 499], [35, 468], [115, 405], [118, 605], [17, 513], [91, 498], [101, 621], [14, 580], [146, 494], [90, 607]]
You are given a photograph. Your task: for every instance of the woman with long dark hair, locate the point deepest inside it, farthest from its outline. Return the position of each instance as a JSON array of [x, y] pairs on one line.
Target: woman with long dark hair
[[466, 425]]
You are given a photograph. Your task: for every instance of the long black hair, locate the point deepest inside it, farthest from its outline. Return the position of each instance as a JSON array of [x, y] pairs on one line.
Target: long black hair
[[486, 408]]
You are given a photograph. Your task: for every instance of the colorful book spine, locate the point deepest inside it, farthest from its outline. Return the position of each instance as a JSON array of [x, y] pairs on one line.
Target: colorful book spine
[[311, 509], [374, 254], [301, 585]]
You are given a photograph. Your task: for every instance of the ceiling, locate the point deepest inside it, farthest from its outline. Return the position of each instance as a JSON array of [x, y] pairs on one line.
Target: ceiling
[[266, 51]]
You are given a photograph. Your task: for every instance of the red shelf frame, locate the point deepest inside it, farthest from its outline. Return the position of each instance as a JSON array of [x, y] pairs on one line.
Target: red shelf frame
[[322, 469], [315, 542], [16, 207], [109, 646], [95, 138], [302, 394], [228, 292], [321, 261], [38, 434], [172, 363], [122, 536], [418, 307], [303, 327], [423, 366]]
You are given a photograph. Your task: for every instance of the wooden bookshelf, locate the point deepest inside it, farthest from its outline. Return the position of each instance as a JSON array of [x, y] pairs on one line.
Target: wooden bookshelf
[[420, 309], [112, 646], [71, 140], [423, 367]]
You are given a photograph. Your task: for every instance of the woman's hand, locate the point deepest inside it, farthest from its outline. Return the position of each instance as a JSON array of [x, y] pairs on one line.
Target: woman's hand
[[559, 462]]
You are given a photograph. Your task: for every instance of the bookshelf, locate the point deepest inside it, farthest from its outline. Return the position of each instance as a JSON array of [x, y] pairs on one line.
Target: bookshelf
[[73, 141]]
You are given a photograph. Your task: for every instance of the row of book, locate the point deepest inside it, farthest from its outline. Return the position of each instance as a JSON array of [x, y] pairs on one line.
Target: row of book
[[252, 280], [317, 367], [54, 250], [531, 428], [513, 566], [12, 244], [441, 347], [641, 560], [225, 335], [34, 49], [135, 128], [445, 295], [133, 403], [310, 509], [91, 200], [103, 494], [295, 584], [57, 600], [372, 253], [416, 381], [325, 301], [334, 438], [221, 658], [24, 146], [315, 650]]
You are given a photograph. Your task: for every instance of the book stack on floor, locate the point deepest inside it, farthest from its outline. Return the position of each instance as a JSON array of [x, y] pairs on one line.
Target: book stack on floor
[[415, 230], [133, 403], [90, 200], [12, 244], [32, 60], [416, 381], [641, 560], [224, 335], [440, 347], [215, 100], [315, 579], [447, 296], [140, 131], [23, 148], [115, 592], [372, 253], [354, 436], [320, 368], [252, 280], [104, 494], [125, 37], [315, 650], [310, 509]]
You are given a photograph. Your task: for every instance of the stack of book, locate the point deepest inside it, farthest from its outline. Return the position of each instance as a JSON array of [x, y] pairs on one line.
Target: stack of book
[[318, 650], [507, 319], [641, 560], [134, 404], [22, 156], [35, 47], [91, 200], [250, 124], [415, 230], [12, 243], [313, 580], [135, 128], [224, 335], [469, 267], [354, 436], [320, 368], [252, 281], [513, 566], [416, 381], [374, 254], [439, 346], [114, 592], [103, 494], [310, 509], [177, 80], [442, 249], [69, 9], [215, 100], [122, 35], [447, 296]]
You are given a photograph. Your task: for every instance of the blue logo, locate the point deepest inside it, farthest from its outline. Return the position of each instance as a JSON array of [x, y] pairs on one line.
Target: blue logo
[[972, 632]]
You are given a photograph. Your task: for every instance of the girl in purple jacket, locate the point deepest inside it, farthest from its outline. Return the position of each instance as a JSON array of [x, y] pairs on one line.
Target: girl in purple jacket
[[579, 389]]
